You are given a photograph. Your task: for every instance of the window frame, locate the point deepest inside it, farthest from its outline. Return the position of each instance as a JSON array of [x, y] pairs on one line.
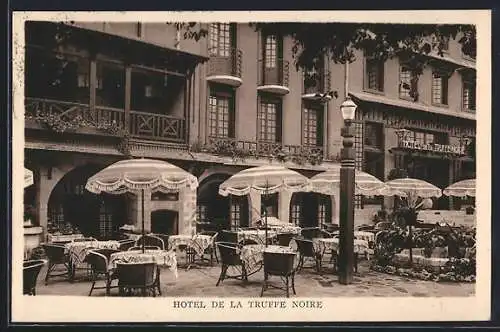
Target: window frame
[[221, 39], [443, 78], [380, 72], [221, 94], [411, 73], [473, 89], [318, 111], [278, 134]]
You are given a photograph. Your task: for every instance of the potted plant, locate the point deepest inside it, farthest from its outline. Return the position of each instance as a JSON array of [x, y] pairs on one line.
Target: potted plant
[[29, 215]]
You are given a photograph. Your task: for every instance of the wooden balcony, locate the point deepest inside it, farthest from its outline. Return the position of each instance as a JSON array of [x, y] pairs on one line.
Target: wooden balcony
[[317, 86], [62, 116], [241, 149], [225, 69], [274, 79]]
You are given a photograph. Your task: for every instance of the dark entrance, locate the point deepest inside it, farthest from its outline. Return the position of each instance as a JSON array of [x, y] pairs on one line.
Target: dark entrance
[[310, 209], [433, 170], [213, 208], [71, 207], [165, 222]]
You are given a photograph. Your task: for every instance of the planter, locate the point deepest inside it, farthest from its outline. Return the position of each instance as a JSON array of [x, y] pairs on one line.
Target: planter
[[31, 238]]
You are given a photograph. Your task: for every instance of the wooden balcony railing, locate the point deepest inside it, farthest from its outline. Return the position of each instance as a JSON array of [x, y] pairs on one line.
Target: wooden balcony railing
[[61, 115], [229, 65], [275, 74]]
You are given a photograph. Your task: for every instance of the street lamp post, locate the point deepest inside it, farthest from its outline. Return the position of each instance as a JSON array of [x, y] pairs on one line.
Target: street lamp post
[[347, 178]]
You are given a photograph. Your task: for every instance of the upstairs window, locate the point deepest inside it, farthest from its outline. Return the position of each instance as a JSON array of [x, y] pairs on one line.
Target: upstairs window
[[374, 75], [373, 135], [221, 114], [439, 88], [469, 96], [270, 51], [312, 126], [408, 83], [269, 121], [220, 39]]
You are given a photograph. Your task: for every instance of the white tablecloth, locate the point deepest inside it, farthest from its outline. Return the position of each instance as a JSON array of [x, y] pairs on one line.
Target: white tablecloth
[[160, 257], [367, 236], [63, 238], [257, 236], [199, 242], [79, 250], [332, 244]]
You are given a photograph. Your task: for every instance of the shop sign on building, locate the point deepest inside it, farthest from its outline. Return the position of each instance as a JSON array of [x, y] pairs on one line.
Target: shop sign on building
[[439, 148]]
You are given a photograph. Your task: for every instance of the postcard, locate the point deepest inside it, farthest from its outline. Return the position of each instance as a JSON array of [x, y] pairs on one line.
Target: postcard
[[251, 166]]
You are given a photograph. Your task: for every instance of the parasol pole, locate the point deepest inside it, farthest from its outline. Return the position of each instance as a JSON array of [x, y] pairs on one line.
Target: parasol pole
[[142, 212], [265, 208]]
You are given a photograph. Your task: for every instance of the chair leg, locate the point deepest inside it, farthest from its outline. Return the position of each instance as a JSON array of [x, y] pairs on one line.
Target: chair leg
[[287, 288], [293, 284], [264, 285], [222, 274], [47, 275], [92, 288], [158, 280], [356, 262]]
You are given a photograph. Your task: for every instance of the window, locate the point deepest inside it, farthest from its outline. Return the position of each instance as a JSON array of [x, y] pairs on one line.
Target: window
[[221, 114], [270, 51], [439, 89], [295, 213], [155, 92], [220, 39], [469, 96], [269, 121], [270, 205], [57, 76], [408, 83], [235, 215], [324, 210], [111, 92], [429, 138], [313, 125], [202, 213], [374, 74], [373, 136], [374, 165], [106, 228]]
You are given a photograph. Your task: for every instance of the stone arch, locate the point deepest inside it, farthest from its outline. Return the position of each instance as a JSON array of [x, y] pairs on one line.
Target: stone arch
[[216, 209], [70, 203]]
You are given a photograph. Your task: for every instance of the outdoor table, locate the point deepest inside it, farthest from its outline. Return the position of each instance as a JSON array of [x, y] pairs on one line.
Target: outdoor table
[[367, 236], [252, 255], [165, 258], [256, 235], [77, 251], [321, 245], [199, 242], [63, 237]]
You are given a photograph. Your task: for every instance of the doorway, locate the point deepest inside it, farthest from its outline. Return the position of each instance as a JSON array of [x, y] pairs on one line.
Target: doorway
[[165, 222]]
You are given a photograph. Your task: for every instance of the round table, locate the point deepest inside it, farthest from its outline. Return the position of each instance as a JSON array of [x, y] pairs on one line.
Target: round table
[[159, 257], [332, 244], [199, 242], [77, 251]]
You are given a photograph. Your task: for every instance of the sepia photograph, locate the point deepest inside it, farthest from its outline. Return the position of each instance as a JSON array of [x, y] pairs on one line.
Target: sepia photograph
[[250, 167]]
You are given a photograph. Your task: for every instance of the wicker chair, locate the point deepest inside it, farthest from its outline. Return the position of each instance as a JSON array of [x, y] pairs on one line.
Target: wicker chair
[[138, 276], [151, 240], [84, 239], [56, 255], [284, 239], [310, 233], [228, 236], [145, 248], [99, 263], [31, 270], [164, 237], [281, 265], [306, 250], [212, 250], [126, 244], [230, 257]]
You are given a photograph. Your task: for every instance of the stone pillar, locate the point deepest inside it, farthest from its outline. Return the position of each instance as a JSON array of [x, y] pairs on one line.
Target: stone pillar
[[284, 199], [335, 210], [254, 203], [187, 212], [335, 206], [136, 215]]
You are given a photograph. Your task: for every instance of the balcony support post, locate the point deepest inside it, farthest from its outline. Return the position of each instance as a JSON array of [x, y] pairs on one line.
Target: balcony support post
[[128, 91], [93, 88]]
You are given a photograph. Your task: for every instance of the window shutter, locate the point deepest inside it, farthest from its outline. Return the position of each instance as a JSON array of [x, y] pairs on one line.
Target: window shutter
[[232, 34], [232, 116]]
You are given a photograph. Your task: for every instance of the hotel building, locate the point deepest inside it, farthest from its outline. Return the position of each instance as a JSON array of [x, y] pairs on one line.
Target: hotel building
[[216, 106]]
